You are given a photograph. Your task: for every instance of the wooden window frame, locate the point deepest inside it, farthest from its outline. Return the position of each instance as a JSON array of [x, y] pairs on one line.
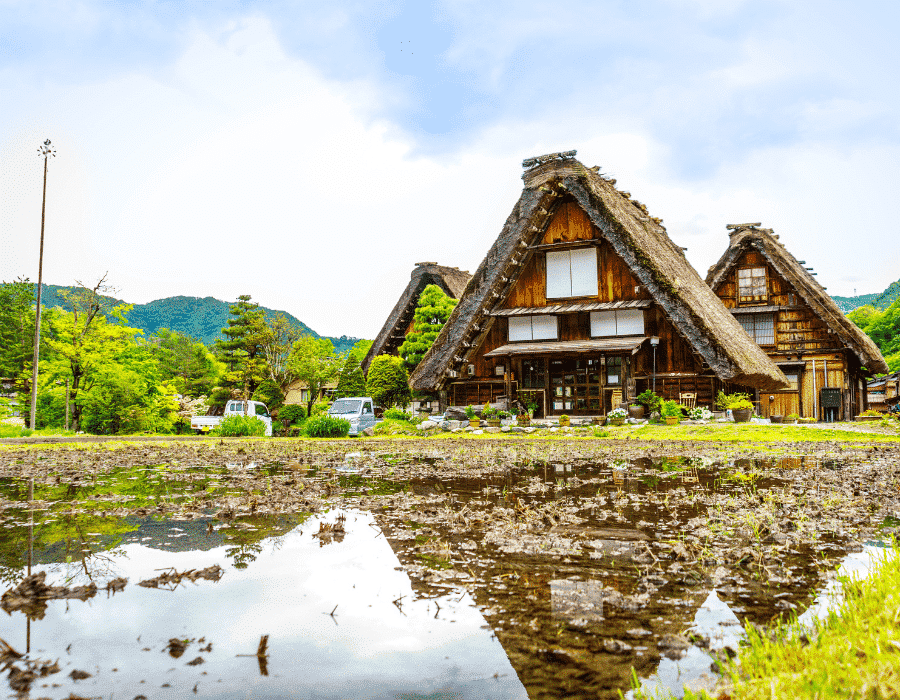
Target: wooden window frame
[[751, 298]]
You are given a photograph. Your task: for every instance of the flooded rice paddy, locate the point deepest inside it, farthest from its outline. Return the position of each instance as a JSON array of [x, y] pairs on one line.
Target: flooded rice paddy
[[372, 570]]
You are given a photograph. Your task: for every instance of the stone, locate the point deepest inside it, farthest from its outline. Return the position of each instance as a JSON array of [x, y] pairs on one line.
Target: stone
[[616, 646], [478, 432], [454, 424], [455, 413], [528, 431], [369, 432], [517, 429], [427, 425], [493, 430], [505, 429]]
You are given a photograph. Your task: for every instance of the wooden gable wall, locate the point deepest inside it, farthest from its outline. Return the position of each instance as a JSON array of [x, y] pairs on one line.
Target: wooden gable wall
[[570, 224]]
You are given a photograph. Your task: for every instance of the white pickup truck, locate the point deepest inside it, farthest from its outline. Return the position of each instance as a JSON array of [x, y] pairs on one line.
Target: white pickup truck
[[234, 407], [359, 411]]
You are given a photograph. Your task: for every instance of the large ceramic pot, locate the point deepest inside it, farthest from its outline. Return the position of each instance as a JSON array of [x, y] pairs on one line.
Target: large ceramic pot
[[636, 411], [742, 415], [493, 422], [523, 421], [776, 419], [617, 421]]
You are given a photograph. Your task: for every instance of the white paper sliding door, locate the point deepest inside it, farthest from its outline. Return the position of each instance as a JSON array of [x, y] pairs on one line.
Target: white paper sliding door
[[584, 272], [559, 274]]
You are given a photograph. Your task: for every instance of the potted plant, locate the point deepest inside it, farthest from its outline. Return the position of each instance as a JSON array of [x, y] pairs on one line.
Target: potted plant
[[617, 416], [522, 418], [491, 415], [870, 415], [503, 415], [738, 403], [474, 420], [776, 419], [671, 411], [564, 420], [700, 413], [648, 400], [636, 410], [791, 418]]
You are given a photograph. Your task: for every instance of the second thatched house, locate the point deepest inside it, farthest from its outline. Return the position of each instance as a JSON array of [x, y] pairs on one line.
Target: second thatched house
[[400, 321], [825, 356], [582, 302]]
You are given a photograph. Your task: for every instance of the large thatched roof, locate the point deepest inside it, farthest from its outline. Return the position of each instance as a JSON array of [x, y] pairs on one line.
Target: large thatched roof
[[451, 279], [744, 237], [638, 239]]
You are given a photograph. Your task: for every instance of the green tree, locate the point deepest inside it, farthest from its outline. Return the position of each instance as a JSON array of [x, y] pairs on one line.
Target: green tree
[[16, 328], [278, 341], [352, 381], [243, 350], [82, 340], [186, 362], [883, 327], [313, 361], [432, 312], [388, 381]]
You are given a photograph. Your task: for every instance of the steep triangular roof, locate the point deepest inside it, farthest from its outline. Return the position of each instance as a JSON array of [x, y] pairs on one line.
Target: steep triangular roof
[[743, 237], [638, 239], [451, 279]]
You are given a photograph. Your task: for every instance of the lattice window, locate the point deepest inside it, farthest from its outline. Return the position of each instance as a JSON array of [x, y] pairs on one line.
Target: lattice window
[[752, 283], [572, 273], [760, 327]]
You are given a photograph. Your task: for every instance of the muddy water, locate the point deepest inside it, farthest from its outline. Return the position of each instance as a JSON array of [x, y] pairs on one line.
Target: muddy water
[[545, 579]]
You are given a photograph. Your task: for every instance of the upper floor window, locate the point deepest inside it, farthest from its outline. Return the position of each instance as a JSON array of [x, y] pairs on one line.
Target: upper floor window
[[621, 322], [572, 273], [751, 283], [760, 327], [532, 328]]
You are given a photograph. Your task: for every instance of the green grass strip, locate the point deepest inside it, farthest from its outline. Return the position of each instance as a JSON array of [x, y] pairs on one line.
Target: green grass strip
[[854, 653]]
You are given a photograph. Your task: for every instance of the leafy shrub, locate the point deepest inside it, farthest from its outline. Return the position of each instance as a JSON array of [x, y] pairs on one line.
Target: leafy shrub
[[470, 412], [489, 412], [388, 381], [325, 426], [736, 402], [700, 413], [270, 394], [397, 414], [240, 426], [320, 408], [292, 413], [670, 409]]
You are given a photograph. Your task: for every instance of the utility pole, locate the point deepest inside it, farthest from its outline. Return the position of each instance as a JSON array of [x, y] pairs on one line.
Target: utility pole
[[47, 151]]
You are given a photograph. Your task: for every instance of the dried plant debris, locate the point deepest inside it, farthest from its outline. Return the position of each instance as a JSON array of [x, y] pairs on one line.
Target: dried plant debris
[[32, 593], [329, 532], [22, 671], [170, 578]]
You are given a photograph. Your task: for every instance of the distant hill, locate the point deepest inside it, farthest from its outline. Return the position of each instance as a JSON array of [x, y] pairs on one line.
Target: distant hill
[[201, 318], [880, 300]]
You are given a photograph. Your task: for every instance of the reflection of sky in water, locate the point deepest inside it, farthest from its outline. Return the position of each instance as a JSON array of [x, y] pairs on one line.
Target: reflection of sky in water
[[372, 648]]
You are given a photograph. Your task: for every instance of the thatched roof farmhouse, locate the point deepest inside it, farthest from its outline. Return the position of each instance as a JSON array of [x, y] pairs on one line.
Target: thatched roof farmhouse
[[567, 304], [780, 303]]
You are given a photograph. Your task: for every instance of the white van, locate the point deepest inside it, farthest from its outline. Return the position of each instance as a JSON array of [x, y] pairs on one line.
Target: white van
[[358, 410]]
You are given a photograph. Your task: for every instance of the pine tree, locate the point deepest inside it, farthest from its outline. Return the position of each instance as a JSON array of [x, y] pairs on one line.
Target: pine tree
[[243, 350], [432, 312], [352, 381], [388, 381]]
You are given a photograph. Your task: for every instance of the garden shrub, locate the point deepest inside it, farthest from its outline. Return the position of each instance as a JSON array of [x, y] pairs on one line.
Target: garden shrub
[[397, 414], [325, 426], [270, 394], [292, 413], [240, 426], [320, 407], [388, 381]]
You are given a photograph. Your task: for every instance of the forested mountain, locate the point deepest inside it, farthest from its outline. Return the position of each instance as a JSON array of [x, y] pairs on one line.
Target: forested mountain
[[201, 318], [880, 300]]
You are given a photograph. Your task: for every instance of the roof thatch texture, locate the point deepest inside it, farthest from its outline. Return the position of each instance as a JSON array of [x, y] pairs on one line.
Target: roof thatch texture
[[743, 237], [641, 241], [451, 279]]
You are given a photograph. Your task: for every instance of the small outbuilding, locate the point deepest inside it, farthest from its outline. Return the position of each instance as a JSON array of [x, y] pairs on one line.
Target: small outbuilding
[[583, 302], [826, 358]]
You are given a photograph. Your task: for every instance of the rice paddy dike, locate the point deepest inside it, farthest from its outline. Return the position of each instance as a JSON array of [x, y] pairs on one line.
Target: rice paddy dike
[[587, 559]]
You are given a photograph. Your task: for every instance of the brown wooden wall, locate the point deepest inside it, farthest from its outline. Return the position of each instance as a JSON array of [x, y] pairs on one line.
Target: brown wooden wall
[[800, 335], [614, 278]]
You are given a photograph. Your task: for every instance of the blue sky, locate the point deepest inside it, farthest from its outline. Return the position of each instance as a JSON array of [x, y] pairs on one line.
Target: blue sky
[[272, 148]]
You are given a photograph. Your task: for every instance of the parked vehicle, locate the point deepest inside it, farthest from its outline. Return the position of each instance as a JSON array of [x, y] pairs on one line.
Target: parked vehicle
[[235, 407], [358, 410]]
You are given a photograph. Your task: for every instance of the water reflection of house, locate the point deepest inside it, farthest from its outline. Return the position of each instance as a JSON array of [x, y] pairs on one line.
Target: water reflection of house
[[582, 302], [884, 392], [825, 356]]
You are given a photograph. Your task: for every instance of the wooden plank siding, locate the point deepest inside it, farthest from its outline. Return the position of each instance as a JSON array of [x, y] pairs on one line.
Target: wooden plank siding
[[800, 337]]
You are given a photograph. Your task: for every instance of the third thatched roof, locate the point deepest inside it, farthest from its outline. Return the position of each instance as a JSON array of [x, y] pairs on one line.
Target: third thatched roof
[[744, 237]]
